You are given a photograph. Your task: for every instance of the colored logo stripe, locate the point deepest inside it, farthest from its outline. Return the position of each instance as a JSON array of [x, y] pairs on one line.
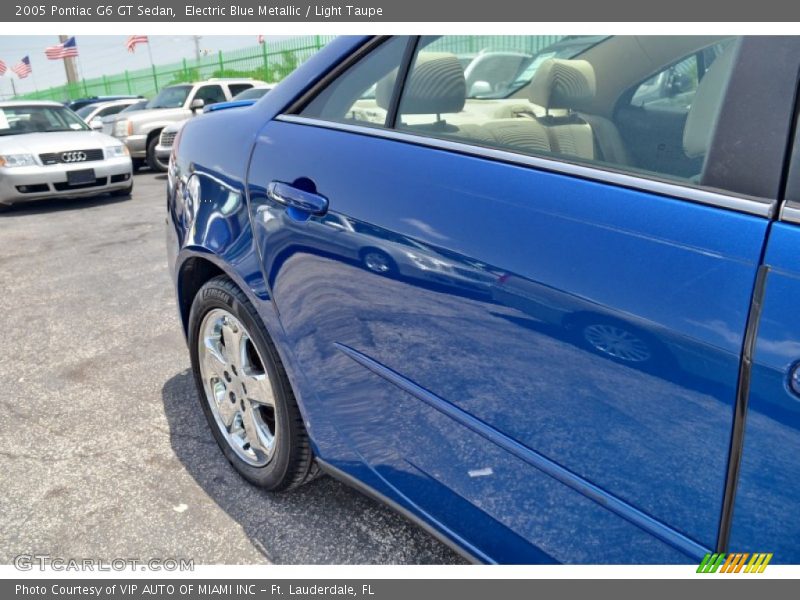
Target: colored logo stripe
[[733, 563]]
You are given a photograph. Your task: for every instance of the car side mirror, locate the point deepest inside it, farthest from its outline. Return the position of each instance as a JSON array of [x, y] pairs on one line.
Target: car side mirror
[[96, 124], [197, 104], [480, 88]]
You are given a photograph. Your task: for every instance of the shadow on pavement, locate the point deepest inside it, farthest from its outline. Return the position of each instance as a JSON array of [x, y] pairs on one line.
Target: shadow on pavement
[[58, 204], [322, 522]]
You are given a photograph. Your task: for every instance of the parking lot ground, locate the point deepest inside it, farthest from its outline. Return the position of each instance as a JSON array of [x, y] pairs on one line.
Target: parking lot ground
[[103, 449]]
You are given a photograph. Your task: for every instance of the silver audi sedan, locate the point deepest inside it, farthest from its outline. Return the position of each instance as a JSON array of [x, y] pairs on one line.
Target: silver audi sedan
[[48, 151]]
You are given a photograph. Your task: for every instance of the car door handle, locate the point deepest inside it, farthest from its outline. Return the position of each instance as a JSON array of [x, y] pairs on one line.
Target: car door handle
[[292, 197]]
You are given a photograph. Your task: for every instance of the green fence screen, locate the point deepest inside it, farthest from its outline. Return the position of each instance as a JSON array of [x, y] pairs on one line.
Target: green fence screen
[[270, 62]]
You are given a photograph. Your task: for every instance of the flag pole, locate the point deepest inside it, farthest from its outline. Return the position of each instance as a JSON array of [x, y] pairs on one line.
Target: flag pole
[[150, 52], [69, 66], [152, 65]]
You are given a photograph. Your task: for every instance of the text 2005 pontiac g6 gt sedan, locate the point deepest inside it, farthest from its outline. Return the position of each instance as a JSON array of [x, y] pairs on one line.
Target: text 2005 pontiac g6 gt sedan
[[550, 314]]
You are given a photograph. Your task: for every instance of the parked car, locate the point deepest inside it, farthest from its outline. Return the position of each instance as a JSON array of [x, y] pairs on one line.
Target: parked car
[[47, 151], [140, 130], [606, 368], [108, 122], [81, 102], [93, 113], [245, 98]]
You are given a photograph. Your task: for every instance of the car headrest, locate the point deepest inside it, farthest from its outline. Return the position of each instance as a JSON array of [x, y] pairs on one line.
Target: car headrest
[[702, 120], [560, 83], [435, 85]]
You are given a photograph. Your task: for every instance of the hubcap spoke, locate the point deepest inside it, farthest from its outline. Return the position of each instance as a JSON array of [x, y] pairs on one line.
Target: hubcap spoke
[[251, 428], [259, 389], [214, 362], [227, 412], [232, 336]]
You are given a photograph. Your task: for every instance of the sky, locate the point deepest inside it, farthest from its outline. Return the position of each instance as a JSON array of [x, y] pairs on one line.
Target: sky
[[103, 55]]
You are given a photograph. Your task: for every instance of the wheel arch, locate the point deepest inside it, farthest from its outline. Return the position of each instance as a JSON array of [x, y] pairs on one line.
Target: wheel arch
[[154, 133], [193, 274]]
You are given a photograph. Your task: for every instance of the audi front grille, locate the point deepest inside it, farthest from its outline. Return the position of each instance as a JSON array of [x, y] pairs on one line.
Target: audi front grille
[[71, 156]]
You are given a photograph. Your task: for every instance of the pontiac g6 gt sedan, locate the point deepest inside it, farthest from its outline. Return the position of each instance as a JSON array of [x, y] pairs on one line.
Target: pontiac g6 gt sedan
[[47, 151], [551, 321]]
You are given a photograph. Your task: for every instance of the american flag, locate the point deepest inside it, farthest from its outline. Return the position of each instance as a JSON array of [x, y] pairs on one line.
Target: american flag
[[65, 49], [260, 39], [3, 68], [22, 68], [133, 40]]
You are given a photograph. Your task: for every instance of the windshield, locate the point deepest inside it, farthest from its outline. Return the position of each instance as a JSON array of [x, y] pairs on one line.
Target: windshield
[[16, 120], [85, 111], [170, 97]]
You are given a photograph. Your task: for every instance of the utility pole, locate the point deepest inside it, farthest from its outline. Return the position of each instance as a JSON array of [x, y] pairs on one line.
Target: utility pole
[[196, 39], [69, 64]]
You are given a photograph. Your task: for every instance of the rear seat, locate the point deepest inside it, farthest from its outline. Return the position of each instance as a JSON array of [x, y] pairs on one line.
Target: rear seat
[[436, 86], [560, 88]]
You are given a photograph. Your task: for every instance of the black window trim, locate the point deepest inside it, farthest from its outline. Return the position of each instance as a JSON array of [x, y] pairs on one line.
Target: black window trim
[[761, 200]]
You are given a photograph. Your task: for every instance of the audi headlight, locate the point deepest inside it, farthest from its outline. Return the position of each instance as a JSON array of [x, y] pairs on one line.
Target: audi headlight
[[121, 128], [17, 160], [117, 151]]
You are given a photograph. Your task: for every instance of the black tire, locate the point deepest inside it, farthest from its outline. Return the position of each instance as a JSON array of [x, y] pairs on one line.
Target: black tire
[[123, 193], [292, 463], [138, 163], [152, 160]]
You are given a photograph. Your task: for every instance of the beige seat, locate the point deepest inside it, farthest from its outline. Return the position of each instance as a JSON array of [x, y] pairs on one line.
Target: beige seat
[[435, 86], [702, 118], [561, 88]]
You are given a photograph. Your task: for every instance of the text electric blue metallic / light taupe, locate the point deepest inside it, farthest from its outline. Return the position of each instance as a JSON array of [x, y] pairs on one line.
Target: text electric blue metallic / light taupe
[[548, 315]]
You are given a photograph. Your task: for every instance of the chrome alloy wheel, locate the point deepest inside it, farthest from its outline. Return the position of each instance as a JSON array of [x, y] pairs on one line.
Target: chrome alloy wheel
[[617, 342], [237, 387]]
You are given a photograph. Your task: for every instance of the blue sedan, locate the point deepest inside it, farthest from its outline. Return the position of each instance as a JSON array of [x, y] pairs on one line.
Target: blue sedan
[[546, 315]]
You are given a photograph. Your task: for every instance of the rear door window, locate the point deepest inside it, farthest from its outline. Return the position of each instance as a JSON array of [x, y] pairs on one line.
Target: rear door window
[[558, 99]]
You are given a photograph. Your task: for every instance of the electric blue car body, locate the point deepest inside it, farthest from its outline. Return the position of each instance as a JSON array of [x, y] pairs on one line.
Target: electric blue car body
[[468, 375]]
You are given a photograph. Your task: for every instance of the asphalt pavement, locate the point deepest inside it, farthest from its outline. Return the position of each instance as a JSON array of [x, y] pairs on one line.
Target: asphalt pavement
[[104, 451]]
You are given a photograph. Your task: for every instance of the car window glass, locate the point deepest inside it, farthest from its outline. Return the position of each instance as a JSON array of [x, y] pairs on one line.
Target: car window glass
[[85, 111], [22, 119], [170, 97], [210, 94], [110, 110], [358, 94], [237, 88], [560, 98]]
